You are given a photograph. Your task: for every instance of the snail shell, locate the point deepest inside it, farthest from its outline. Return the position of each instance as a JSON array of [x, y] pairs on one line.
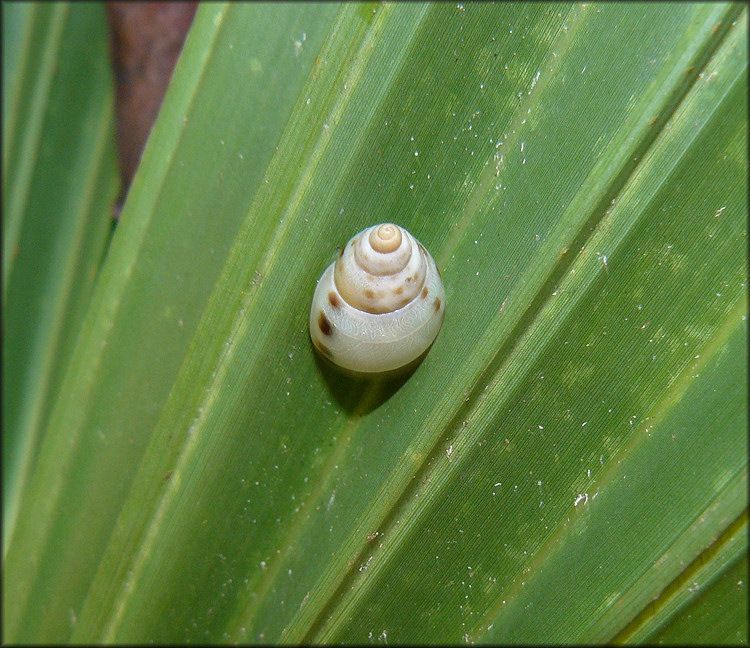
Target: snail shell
[[380, 305]]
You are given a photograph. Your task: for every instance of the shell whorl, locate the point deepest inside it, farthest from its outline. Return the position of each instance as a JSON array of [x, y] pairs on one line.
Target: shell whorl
[[382, 269]]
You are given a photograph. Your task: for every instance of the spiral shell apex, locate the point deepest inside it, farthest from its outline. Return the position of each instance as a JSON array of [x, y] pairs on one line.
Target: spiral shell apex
[[380, 305]]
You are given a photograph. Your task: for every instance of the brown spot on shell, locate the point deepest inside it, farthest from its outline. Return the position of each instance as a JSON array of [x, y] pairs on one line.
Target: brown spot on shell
[[425, 292], [409, 279], [404, 302], [369, 294], [333, 299], [421, 247], [437, 304], [326, 328], [398, 290]]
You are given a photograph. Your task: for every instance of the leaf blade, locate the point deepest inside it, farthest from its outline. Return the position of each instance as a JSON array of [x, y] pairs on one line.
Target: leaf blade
[[61, 181]]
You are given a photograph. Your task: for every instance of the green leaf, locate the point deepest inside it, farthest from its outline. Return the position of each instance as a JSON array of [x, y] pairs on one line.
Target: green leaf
[[717, 616], [59, 182], [706, 604], [571, 451]]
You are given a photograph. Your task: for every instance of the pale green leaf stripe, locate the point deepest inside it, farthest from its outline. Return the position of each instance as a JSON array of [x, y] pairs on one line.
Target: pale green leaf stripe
[[65, 229], [18, 18], [147, 303], [38, 67], [88, 220]]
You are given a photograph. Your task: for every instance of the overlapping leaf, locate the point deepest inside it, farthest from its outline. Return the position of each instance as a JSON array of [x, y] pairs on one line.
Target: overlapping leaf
[[59, 181]]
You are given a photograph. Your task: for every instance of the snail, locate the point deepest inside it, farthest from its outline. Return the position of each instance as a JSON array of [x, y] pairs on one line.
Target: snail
[[379, 306]]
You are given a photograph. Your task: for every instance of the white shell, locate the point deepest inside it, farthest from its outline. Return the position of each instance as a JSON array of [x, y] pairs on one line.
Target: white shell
[[380, 305]]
